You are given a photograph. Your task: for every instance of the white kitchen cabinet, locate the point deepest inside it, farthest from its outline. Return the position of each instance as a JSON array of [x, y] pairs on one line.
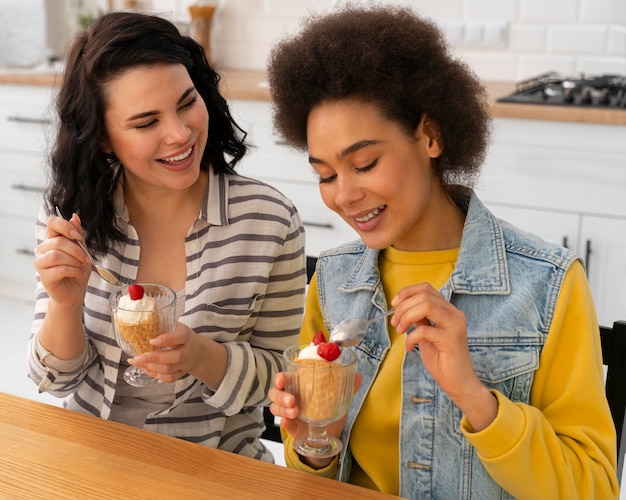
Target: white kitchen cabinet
[[25, 129], [272, 161], [566, 182], [563, 181], [556, 227], [601, 241], [604, 243]]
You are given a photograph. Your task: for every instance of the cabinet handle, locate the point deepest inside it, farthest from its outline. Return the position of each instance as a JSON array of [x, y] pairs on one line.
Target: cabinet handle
[[280, 143], [26, 119], [324, 225], [588, 253], [565, 242], [24, 251], [24, 187]]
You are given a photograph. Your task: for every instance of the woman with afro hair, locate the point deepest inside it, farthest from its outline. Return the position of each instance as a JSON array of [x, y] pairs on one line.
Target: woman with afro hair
[[469, 389]]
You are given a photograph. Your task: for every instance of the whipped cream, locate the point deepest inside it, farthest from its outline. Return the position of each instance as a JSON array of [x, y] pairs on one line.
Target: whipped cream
[[310, 352], [135, 311]]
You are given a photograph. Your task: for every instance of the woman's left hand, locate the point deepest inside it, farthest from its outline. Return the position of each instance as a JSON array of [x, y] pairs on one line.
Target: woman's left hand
[[183, 351]]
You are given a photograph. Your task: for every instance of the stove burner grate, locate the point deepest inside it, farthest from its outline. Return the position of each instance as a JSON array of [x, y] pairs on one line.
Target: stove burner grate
[[608, 91]]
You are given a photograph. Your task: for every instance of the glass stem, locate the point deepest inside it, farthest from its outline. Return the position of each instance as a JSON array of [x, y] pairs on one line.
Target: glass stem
[[318, 437]]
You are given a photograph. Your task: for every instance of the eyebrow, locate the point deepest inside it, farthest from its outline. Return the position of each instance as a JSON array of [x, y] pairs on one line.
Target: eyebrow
[[353, 148], [152, 113]]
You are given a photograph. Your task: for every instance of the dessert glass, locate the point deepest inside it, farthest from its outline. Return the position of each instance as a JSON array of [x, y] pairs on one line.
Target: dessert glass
[[323, 392], [134, 338]]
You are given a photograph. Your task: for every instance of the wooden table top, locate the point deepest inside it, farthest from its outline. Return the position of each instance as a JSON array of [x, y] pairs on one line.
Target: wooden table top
[[48, 452]]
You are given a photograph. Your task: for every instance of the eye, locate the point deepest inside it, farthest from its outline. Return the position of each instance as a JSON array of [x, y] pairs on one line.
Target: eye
[[369, 167], [189, 103], [146, 125], [326, 180], [324, 175]]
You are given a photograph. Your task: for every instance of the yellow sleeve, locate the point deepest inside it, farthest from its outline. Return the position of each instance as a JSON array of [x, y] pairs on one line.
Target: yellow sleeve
[[563, 444], [292, 460], [313, 319]]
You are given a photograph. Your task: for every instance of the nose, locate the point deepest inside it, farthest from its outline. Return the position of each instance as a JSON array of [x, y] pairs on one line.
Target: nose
[[347, 190], [177, 131]]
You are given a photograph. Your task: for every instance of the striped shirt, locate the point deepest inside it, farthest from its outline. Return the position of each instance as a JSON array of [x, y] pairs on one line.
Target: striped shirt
[[245, 288]]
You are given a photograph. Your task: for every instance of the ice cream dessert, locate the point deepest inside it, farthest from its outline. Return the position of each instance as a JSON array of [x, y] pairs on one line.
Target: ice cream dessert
[[320, 379], [137, 319]]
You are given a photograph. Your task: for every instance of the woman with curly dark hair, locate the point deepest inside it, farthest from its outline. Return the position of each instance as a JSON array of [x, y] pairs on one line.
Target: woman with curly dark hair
[[479, 398], [145, 154]]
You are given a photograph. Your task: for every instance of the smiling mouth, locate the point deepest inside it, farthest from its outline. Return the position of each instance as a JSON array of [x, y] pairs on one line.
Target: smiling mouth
[[178, 158], [374, 213]]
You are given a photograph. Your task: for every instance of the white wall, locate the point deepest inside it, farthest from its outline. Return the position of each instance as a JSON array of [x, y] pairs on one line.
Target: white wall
[[541, 35], [21, 31], [564, 35]]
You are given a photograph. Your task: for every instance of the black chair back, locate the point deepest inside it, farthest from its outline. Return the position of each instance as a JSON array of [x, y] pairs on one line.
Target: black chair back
[[272, 428], [614, 357]]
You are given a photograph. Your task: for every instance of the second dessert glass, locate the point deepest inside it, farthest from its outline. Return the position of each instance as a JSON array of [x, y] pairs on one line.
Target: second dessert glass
[[135, 328], [323, 392]]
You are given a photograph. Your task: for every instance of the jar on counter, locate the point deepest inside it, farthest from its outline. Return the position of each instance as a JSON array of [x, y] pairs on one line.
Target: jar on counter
[[200, 26]]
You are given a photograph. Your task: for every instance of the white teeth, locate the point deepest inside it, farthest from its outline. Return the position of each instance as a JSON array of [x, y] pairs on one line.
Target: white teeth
[[369, 216], [179, 157]]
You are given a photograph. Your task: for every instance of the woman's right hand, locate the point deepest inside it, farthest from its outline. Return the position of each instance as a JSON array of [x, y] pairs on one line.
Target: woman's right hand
[[284, 406], [63, 267]]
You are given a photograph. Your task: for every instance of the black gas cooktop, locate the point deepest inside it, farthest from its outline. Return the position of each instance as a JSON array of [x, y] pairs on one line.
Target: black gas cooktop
[[601, 91]]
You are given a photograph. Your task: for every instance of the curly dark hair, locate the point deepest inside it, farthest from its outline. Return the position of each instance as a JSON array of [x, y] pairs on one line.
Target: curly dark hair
[[390, 57], [83, 177]]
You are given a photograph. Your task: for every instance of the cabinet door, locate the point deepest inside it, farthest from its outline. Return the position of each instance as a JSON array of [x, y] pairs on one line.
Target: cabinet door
[[26, 118], [553, 226], [22, 184], [273, 162], [605, 240], [17, 271], [569, 167], [323, 228]]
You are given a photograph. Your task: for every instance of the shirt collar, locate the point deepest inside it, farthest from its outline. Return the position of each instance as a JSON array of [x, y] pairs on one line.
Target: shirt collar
[[214, 208]]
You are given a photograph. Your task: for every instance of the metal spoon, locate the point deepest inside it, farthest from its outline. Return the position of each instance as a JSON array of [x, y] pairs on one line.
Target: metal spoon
[[351, 331], [104, 273]]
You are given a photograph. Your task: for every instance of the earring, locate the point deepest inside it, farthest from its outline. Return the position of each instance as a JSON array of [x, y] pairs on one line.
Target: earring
[[111, 158]]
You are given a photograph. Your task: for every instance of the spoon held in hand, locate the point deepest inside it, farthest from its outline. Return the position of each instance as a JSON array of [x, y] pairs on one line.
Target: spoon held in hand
[[104, 273], [351, 331]]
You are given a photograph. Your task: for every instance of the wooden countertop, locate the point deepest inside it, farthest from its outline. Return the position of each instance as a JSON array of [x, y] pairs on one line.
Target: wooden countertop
[[249, 84], [52, 453], [236, 84]]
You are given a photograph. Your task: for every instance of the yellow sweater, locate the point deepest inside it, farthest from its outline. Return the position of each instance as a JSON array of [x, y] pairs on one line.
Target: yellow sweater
[[566, 434]]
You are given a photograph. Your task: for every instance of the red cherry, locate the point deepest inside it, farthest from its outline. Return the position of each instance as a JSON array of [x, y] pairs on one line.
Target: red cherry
[[135, 292], [329, 351], [318, 338]]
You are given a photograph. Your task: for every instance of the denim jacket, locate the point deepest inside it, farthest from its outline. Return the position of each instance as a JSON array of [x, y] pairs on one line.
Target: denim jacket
[[506, 282]]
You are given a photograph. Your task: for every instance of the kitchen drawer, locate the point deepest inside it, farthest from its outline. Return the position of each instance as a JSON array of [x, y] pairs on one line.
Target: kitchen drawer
[[556, 166], [324, 228], [21, 185], [26, 117], [17, 251], [274, 162], [560, 135], [31, 96], [269, 156], [279, 163], [23, 128]]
